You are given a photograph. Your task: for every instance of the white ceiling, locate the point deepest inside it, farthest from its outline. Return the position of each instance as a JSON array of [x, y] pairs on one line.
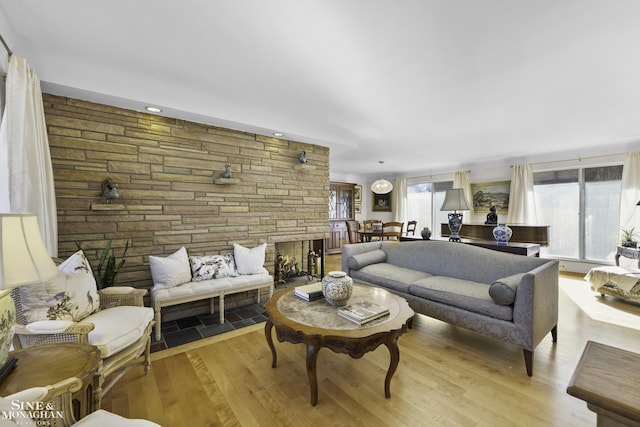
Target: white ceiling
[[425, 85]]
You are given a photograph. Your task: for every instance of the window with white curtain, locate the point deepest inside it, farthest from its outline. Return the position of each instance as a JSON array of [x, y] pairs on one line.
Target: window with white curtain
[[561, 196]]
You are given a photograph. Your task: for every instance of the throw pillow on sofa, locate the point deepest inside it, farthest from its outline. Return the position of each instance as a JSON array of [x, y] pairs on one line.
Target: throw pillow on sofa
[[250, 261], [170, 271], [72, 295], [212, 267], [503, 291], [358, 261]]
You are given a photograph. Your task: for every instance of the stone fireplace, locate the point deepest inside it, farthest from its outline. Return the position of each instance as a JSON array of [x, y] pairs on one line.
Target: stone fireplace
[[299, 260]]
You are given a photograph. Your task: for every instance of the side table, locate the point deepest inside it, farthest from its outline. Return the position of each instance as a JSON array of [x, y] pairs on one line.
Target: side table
[[607, 379], [49, 364], [631, 253]]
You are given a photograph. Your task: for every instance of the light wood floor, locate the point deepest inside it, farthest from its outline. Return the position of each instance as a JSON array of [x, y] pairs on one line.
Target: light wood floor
[[447, 376]]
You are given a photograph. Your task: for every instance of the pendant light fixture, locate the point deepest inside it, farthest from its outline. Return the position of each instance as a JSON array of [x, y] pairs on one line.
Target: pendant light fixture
[[381, 186]]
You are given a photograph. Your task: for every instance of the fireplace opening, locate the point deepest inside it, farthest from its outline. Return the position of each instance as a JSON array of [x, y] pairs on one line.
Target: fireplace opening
[[299, 261]]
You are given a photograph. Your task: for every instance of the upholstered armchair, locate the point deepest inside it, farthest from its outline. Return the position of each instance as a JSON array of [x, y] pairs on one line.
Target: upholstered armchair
[[119, 326], [57, 399]]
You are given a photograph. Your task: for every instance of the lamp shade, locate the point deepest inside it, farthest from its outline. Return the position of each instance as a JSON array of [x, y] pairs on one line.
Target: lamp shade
[[381, 186], [454, 200], [24, 259]]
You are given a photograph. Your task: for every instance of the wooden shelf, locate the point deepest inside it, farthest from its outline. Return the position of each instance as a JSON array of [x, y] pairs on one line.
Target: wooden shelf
[[226, 181], [106, 207], [304, 167]]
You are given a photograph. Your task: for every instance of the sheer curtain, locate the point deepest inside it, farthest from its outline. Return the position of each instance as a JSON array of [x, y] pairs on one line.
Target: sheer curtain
[[522, 205], [461, 180], [27, 181], [400, 201], [630, 192]]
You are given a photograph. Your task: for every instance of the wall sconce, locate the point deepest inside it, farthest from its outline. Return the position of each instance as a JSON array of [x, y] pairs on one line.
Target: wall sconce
[[110, 190], [302, 158]]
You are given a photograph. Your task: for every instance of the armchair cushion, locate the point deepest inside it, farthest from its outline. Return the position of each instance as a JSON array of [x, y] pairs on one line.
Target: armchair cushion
[[73, 295], [118, 327], [170, 271]]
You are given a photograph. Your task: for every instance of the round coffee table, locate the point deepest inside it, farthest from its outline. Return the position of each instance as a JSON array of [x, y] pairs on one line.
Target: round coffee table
[[318, 324]]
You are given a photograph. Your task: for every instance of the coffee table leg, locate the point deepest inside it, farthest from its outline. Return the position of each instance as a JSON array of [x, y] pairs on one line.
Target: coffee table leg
[[267, 333], [394, 352], [312, 357]]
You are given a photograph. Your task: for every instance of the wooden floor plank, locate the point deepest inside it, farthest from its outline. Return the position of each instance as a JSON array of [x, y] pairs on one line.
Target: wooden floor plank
[[447, 376]]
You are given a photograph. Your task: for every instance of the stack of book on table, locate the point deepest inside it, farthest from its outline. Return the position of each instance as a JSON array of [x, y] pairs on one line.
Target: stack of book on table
[[363, 312], [309, 292]]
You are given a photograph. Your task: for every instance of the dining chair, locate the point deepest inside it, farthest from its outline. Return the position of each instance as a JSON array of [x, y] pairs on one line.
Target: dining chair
[[352, 231], [392, 230], [411, 228]]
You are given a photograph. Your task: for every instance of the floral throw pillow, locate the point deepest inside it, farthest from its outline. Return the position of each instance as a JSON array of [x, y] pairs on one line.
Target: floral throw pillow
[[212, 267], [72, 295]]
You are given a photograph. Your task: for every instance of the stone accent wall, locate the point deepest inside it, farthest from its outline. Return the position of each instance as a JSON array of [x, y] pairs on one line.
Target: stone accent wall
[[165, 170]]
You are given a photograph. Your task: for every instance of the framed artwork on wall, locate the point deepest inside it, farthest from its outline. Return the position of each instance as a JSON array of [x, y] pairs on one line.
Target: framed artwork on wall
[[487, 194], [381, 202], [358, 208], [357, 194]]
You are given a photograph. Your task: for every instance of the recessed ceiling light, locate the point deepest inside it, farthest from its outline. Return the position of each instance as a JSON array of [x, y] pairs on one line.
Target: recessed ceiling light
[[153, 109], [278, 134]]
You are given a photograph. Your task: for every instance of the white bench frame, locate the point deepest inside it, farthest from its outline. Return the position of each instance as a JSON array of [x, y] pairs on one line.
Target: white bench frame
[[220, 293]]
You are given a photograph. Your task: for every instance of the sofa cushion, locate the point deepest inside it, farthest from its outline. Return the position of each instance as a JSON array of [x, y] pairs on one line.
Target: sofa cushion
[[389, 276], [250, 261], [464, 294], [118, 327], [170, 271], [503, 291], [212, 267], [358, 261], [72, 295]]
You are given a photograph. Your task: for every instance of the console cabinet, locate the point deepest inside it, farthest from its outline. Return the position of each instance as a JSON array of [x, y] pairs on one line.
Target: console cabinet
[[341, 209]]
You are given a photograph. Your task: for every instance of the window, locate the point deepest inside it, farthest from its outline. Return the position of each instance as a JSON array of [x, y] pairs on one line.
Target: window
[[423, 205], [562, 195]]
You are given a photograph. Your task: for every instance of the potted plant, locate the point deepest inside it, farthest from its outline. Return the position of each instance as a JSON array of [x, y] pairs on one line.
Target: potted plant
[[628, 236], [108, 266]]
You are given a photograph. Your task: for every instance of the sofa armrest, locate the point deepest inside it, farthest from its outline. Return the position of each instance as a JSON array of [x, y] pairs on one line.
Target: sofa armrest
[[535, 309], [355, 249]]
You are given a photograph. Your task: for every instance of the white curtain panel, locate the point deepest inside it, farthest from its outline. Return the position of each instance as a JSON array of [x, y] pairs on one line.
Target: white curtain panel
[[630, 192], [400, 201], [522, 205], [24, 144], [461, 180]]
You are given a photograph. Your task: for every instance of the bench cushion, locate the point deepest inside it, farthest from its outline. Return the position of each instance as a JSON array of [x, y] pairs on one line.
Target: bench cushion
[[209, 288]]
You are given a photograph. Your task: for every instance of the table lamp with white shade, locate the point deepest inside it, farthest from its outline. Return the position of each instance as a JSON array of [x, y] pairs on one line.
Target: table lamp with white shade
[[24, 260], [454, 200]]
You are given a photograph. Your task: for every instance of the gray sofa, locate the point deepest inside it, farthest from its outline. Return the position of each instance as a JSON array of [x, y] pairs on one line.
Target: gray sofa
[[512, 298]]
